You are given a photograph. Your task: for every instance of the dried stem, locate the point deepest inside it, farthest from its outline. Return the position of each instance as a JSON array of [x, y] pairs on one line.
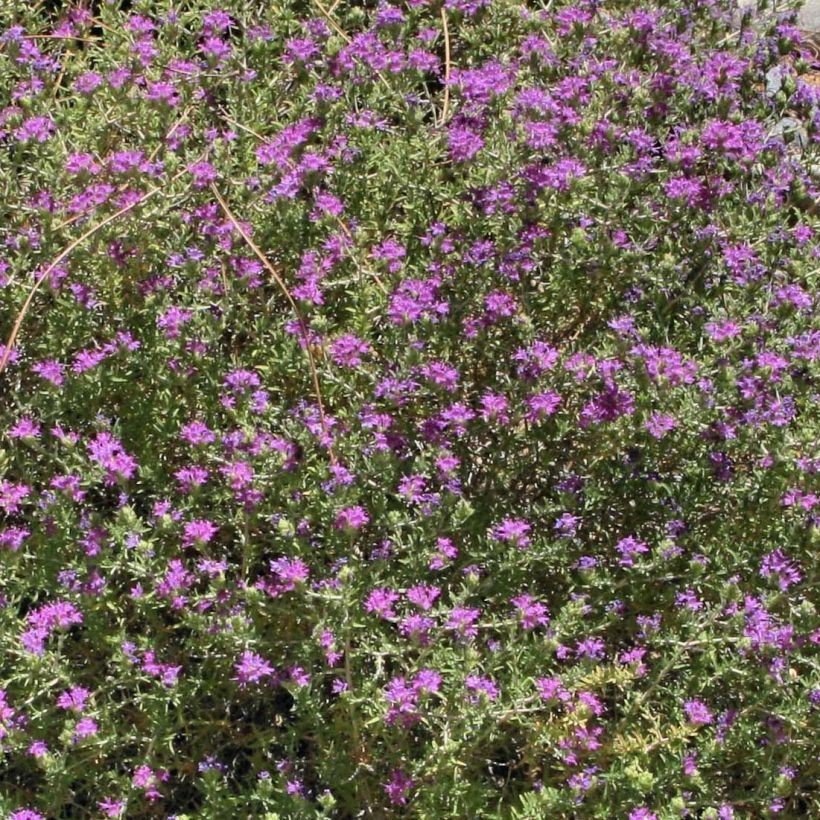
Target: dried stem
[[446, 102], [60, 37], [327, 15]]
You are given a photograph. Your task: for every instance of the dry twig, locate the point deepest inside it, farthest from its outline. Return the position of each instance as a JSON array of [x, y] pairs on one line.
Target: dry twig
[[446, 66]]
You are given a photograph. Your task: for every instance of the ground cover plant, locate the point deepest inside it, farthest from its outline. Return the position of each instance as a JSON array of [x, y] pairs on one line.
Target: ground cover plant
[[408, 410]]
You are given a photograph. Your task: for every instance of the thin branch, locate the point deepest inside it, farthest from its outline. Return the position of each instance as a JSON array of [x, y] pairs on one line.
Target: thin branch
[[446, 66], [291, 301], [327, 15], [60, 37]]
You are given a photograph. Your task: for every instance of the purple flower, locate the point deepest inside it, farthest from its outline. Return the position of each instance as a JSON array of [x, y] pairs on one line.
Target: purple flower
[[485, 686], [398, 787], [74, 699], [50, 370], [198, 532], [35, 128], [423, 595], [108, 452], [347, 351], [778, 564], [542, 405], [659, 424], [86, 727], [38, 748], [552, 689], [203, 173], [697, 713], [416, 299], [530, 612], [251, 668], [567, 525], [592, 648], [462, 622], [514, 531], [172, 319], [380, 601], [464, 139], [351, 518], [197, 433], [608, 405], [628, 548], [12, 538], [190, 478], [11, 495], [494, 407]]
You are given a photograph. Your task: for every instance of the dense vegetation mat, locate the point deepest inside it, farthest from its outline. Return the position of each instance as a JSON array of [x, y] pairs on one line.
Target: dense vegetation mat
[[408, 410]]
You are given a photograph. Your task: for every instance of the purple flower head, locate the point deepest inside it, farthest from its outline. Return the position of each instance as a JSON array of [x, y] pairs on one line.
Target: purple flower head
[[628, 548], [567, 525], [38, 748], [380, 601], [542, 405], [462, 620], [592, 648], [108, 452], [552, 689], [347, 351], [480, 686], [86, 727], [423, 595], [197, 433], [351, 518], [11, 495], [659, 424], [607, 406], [12, 538], [697, 713], [416, 299], [399, 787], [198, 532], [50, 370], [203, 173], [514, 531], [189, 478], [778, 564], [530, 612], [251, 668], [38, 129], [74, 699], [464, 139]]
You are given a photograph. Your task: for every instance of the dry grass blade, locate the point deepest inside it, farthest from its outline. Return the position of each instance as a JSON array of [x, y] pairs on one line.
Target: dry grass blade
[[446, 102], [291, 301]]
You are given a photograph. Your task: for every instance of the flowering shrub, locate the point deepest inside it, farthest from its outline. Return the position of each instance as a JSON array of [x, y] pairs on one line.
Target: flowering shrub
[[408, 409]]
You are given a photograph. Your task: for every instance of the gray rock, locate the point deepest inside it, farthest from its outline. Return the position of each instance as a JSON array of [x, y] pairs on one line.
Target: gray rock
[[808, 19]]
